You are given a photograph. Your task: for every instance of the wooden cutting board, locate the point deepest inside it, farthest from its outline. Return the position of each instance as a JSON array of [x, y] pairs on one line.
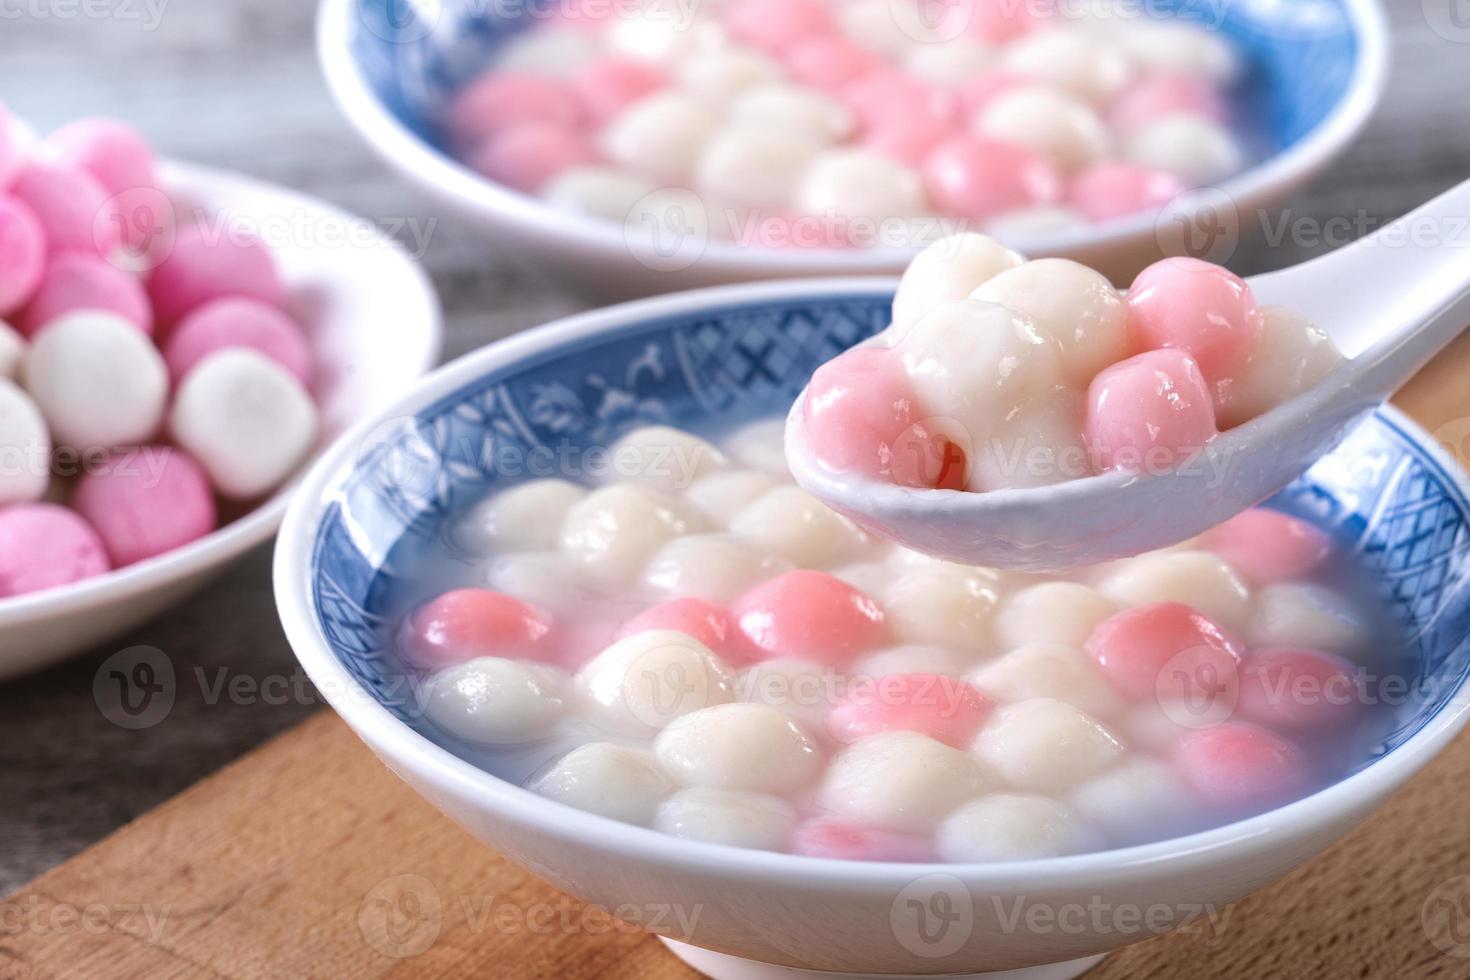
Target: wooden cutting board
[[307, 858]]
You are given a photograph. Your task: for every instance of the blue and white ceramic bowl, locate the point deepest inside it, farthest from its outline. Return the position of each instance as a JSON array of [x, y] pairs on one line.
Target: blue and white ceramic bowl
[[1315, 70], [713, 358]]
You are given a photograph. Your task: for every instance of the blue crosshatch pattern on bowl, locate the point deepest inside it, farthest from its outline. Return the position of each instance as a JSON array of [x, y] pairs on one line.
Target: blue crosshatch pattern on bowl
[[1299, 55], [1380, 492]]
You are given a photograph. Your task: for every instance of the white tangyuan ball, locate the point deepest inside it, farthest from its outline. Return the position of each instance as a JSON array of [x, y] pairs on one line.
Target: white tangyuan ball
[[1085, 65], [718, 77], [750, 747], [877, 26], [1047, 670], [713, 567], [661, 134], [801, 689], [547, 579], [912, 659], [1155, 725], [523, 518], [1014, 827], [1051, 123], [610, 780], [98, 381], [903, 560], [976, 362], [1197, 150], [1074, 305], [1101, 17], [1294, 356], [607, 192], [942, 605], [644, 681], [1052, 612], [722, 495], [861, 184], [901, 781], [761, 446], [1038, 444], [949, 270], [1045, 745], [729, 817], [554, 53], [1140, 800], [752, 167], [612, 532], [1195, 578], [664, 458], [1165, 47], [25, 447], [12, 351], [901, 557], [246, 419], [952, 63], [494, 701], [661, 35], [799, 527], [871, 577], [1297, 614], [774, 109]]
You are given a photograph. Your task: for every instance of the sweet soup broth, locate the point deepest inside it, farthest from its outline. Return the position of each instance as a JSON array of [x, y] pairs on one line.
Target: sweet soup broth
[[704, 649]]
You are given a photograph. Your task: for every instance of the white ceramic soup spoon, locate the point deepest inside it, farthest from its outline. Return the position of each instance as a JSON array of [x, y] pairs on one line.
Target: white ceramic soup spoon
[[1390, 302]]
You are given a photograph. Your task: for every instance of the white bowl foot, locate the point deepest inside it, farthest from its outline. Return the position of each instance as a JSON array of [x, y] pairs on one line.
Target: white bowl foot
[[722, 966]]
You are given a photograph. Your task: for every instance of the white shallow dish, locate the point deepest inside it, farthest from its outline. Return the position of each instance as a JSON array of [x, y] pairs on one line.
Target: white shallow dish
[[1315, 74], [373, 321], [741, 352]]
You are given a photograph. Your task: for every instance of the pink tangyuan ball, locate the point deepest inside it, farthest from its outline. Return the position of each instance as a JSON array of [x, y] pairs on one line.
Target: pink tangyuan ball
[[79, 281], [207, 262], [147, 502], [1150, 413]]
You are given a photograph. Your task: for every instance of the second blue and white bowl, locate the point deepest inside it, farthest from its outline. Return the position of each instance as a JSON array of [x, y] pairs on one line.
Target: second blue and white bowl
[[1314, 72]]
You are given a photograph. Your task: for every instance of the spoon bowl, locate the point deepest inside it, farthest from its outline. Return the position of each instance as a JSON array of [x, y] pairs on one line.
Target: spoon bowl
[[1390, 302]]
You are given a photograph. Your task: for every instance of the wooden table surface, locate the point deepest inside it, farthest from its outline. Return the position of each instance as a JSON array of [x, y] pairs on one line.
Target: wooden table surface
[[234, 83]]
